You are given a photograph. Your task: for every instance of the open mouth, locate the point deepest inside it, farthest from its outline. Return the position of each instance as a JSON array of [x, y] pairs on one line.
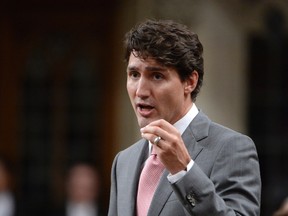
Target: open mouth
[[145, 107], [145, 110]]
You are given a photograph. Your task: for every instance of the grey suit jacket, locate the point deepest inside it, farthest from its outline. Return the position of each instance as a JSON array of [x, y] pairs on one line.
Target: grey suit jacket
[[224, 180]]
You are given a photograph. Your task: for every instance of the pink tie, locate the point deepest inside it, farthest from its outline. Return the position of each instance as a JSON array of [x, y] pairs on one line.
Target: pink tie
[[148, 182]]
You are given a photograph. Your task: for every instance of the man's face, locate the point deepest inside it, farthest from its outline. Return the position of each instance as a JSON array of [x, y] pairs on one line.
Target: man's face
[[156, 91], [82, 184]]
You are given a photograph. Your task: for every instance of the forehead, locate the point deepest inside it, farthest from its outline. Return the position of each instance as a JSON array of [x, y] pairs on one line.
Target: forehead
[[138, 63]]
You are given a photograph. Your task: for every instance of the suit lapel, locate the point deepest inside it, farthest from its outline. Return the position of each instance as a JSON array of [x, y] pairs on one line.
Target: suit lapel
[[139, 154], [196, 131], [162, 193]]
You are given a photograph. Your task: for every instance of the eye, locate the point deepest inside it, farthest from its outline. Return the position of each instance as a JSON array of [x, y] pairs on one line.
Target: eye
[[134, 74], [158, 76]]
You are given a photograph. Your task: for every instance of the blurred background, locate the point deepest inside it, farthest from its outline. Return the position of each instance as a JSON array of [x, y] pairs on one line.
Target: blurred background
[[63, 97]]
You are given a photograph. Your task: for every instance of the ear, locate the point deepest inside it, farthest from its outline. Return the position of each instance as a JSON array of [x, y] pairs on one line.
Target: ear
[[191, 82]]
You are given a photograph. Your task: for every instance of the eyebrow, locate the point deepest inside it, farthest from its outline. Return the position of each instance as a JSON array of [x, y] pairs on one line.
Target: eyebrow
[[148, 68]]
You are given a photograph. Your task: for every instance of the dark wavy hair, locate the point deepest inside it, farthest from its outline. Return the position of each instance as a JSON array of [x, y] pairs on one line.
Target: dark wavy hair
[[169, 43]]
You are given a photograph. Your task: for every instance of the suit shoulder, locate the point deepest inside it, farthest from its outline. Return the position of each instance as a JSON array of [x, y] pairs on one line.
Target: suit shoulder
[[216, 128], [225, 135], [134, 147], [130, 151]]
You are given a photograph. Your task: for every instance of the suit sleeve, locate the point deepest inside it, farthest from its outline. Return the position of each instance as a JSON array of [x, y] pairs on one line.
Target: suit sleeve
[[113, 190], [232, 187]]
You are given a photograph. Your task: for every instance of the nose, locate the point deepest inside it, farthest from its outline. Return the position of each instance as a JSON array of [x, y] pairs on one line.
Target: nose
[[143, 89]]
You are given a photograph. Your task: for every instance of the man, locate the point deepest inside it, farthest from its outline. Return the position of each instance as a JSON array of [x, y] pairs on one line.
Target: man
[[208, 169], [283, 210], [82, 191], [7, 201]]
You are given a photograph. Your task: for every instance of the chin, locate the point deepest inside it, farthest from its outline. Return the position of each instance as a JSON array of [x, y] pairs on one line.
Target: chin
[[144, 122]]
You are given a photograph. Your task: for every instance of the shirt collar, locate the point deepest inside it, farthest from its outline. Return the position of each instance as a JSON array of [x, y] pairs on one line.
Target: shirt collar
[[183, 123]]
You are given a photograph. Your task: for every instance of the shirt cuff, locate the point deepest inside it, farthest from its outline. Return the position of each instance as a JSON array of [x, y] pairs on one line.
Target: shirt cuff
[[176, 177]]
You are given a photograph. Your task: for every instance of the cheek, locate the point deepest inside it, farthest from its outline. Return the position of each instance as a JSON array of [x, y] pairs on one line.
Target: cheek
[[171, 100], [130, 90], [131, 94]]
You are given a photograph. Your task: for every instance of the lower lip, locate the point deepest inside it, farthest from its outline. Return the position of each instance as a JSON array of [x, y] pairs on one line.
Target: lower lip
[[144, 112]]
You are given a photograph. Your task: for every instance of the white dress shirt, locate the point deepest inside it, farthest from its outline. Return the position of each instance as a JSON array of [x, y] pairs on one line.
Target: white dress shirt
[[7, 205], [181, 126], [81, 209]]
